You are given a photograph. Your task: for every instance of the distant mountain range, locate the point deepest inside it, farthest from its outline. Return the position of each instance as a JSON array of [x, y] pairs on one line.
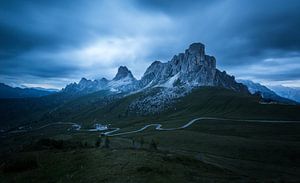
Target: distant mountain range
[[11, 92], [287, 92], [269, 94]]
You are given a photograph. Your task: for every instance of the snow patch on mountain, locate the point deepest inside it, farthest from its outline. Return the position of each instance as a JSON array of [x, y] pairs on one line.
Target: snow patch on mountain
[[170, 82], [121, 82]]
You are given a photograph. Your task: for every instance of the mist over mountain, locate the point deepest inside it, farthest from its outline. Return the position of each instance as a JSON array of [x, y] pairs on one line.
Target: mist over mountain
[[11, 92]]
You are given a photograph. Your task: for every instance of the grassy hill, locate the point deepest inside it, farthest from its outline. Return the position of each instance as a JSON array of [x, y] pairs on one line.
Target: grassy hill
[[208, 150], [205, 101]]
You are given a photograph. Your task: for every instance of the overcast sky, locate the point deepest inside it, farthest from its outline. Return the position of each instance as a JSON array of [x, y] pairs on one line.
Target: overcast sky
[[51, 43]]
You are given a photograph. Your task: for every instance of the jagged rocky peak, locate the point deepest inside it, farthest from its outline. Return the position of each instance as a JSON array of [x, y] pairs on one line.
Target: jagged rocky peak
[[104, 79], [123, 72], [84, 80], [154, 67], [156, 62], [195, 57], [196, 48], [192, 68]]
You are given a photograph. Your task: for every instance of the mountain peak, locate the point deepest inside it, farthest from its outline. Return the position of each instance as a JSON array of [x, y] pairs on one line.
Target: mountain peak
[[83, 80], [103, 79], [156, 62], [196, 48], [123, 72]]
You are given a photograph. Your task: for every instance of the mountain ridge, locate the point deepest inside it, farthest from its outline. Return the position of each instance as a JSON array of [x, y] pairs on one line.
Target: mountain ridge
[[190, 69], [292, 93], [265, 92]]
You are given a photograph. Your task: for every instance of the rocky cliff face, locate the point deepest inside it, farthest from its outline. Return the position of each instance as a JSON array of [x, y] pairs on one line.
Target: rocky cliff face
[[190, 69], [222, 79]]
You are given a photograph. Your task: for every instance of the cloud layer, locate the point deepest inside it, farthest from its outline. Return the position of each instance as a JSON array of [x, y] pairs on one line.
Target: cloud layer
[[54, 43]]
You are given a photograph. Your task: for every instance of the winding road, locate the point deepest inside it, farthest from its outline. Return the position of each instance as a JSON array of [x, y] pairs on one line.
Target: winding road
[[158, 126], [41, 127]]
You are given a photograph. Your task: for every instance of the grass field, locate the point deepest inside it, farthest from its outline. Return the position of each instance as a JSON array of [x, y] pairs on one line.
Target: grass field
[[207, 151]]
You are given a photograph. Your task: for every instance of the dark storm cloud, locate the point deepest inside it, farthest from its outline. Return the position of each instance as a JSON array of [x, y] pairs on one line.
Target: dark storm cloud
[[265, 25], [28, 25], [236, 30], [294, 73], [65, 39], [175, 7]]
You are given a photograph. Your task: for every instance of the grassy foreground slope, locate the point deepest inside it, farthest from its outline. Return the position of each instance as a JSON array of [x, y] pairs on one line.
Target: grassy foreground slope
[[207, 151], [225, 103]]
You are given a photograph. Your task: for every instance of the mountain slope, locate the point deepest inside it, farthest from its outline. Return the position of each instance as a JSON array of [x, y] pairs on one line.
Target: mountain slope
[[10, 92], [265, 92], [287, 92]]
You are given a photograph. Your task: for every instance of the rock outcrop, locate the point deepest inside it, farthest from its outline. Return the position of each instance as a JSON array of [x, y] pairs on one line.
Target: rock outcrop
[[190, 69]]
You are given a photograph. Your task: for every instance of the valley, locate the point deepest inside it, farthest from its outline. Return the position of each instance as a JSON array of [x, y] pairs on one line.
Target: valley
[[226, 150]]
